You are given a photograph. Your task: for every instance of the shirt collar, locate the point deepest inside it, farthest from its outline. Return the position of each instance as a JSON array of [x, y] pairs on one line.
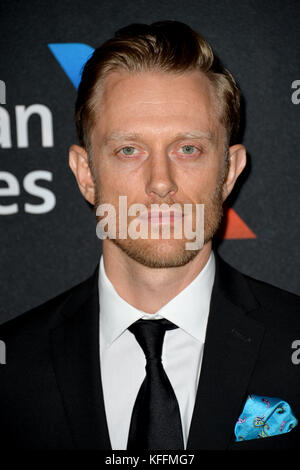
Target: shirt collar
[[188, 310]]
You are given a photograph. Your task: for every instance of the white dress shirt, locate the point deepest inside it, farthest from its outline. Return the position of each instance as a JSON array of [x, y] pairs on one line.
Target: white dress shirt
[[123, 361]]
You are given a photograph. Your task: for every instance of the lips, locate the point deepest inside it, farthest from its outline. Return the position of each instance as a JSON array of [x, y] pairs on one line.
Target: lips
[[161, 216]]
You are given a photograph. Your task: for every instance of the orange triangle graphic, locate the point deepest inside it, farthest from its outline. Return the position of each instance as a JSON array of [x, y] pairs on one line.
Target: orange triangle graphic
[[234, 227]]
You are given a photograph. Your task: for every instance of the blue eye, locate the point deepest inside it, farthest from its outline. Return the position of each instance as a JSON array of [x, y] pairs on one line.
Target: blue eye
[[128, 150], [189, 149]]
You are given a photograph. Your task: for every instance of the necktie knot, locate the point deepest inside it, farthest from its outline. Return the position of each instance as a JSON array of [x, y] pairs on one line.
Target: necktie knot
[[150, 336]]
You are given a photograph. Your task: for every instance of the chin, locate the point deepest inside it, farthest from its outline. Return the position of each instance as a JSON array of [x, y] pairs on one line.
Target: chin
[[157, 253]]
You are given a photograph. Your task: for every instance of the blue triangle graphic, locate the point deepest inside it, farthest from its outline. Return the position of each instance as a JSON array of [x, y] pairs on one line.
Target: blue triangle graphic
[[72, 58]]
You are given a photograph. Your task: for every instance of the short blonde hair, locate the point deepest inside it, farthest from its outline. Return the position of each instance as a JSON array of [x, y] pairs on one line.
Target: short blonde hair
[[167, 46]]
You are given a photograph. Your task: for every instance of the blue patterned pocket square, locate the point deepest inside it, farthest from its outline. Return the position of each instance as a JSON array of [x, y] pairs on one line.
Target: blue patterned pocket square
[[264, 417]]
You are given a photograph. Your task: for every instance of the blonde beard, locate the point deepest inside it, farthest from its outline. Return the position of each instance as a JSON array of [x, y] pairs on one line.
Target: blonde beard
[[172, 253]]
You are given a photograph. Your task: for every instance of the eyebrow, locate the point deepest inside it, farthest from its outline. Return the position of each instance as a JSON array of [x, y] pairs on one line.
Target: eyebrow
[[117, 136]]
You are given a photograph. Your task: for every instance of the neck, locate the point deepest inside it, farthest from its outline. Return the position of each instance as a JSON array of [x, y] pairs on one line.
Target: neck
[[148, 289]]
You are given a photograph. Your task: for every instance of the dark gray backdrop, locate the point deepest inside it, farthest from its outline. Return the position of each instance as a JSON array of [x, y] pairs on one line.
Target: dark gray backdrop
[[259, 41]]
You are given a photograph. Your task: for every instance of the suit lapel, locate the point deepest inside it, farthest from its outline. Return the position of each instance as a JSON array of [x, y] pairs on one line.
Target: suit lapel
[[75, 353], [230, 352]]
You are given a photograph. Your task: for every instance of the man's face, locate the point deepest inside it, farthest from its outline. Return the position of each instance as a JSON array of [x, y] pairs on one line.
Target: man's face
[[157, 139]]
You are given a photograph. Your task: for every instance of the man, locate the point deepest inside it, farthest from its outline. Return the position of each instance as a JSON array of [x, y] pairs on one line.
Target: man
[[163, 347]]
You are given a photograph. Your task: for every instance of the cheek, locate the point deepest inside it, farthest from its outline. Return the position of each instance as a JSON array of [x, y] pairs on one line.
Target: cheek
[[199, 183], [113, 184]]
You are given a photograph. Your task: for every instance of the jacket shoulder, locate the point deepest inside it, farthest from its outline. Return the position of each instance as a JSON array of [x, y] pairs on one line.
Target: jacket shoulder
[[278, 308], [47, 314], [271, 296]]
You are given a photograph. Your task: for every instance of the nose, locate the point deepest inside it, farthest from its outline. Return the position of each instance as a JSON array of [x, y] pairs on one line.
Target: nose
[[160, 180]]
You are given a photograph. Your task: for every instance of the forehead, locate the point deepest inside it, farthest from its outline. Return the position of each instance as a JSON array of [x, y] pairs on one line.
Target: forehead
[[156, 101]]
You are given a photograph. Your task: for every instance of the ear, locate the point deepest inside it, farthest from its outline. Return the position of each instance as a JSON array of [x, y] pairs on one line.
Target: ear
[[79, 164], [237, 162]]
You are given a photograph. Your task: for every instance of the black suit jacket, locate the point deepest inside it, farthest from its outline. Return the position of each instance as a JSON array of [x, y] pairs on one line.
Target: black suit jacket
[[50, 387]]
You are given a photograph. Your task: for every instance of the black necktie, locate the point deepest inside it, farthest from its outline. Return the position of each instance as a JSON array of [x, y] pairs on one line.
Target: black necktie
[[155, 421]]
